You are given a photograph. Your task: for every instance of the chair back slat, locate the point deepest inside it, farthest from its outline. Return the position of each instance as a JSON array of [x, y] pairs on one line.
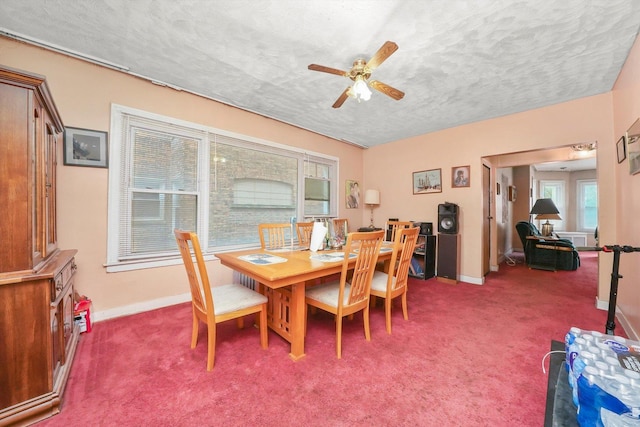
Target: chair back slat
[[304, 230], [274, 236], [201, 296], [394, 226], [368, 245], [405, 243]]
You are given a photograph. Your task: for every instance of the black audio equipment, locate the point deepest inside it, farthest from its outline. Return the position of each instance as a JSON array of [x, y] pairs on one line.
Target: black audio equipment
[[426, 228], [448, 257], [448, 218]]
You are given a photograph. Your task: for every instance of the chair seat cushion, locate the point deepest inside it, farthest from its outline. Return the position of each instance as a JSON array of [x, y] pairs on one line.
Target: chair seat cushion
[[328, 293], [233, 297], [379, 281]]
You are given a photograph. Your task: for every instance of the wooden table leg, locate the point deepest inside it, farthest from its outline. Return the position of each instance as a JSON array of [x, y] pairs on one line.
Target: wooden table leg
[[297, 321]]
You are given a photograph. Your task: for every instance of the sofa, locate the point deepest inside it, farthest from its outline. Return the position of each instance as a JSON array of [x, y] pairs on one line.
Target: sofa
[[546, 253]]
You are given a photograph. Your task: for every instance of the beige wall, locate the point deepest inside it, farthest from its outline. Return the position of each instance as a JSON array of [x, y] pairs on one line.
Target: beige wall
[[624, 228], [388, 167], [84, 93]]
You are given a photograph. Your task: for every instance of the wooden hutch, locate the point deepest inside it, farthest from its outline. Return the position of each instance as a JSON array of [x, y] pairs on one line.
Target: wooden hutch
[[38, 337]]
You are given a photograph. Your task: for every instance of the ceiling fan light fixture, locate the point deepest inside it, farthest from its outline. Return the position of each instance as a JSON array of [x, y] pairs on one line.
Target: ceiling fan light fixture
[[360, 90]]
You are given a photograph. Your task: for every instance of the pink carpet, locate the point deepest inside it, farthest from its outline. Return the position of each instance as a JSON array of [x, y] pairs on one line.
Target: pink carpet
[[468, 355]]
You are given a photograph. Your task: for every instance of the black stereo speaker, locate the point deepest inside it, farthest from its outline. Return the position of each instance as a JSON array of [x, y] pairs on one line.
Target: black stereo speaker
[[426, 228], [448, 218]]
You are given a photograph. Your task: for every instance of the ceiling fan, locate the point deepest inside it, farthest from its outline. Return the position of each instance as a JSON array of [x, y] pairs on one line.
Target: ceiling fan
[[360, 73]]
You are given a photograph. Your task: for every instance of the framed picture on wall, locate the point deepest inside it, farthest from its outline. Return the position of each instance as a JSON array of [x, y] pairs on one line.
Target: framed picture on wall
[[633, 147], [513, 193], [621, 147], [460, 176], [352, 191], [429, 181], [85, 147]]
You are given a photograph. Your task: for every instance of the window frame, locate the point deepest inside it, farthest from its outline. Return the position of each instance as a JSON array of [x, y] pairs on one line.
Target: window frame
[[580, 184], [558, 225], [123, 119]]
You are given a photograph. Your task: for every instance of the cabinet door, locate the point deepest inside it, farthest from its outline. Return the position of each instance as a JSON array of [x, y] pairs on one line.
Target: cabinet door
[[36, 154], [68, 319], [56, 339], [49, 203]]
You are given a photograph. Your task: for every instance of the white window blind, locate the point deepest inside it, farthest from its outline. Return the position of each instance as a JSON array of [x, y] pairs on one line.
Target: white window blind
[[169, 174]]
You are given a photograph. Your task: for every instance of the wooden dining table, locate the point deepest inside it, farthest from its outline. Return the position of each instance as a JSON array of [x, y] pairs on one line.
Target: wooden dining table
[[284, 284]]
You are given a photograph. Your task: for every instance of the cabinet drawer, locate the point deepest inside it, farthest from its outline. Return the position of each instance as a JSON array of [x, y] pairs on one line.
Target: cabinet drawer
[[61, 279]]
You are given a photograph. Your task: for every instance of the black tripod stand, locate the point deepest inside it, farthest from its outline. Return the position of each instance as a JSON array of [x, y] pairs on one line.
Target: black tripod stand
[[615, 276]]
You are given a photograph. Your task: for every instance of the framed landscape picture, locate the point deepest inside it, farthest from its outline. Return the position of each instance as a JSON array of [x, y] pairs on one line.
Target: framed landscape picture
[[429, 181]]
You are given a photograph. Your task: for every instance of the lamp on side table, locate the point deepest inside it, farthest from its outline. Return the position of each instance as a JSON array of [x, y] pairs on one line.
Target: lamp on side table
[[372, 198], [545, 209]]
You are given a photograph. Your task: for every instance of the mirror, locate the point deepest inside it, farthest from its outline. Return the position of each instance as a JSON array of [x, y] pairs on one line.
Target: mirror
[[633, 147]]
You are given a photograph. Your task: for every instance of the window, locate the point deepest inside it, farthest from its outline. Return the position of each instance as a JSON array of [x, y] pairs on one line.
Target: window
[[168, 174], [555, 190], [587, 204]]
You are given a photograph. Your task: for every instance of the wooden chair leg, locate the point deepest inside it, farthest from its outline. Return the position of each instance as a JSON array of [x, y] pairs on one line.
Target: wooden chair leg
[[211, 346], [194, 331], [405, 312], [240, 322], [367, 329], [339, 337], [387, 314], [373, 299], [264, 338]]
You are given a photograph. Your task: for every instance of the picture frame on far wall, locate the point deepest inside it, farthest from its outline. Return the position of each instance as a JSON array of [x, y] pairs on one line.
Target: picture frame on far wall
[[513, 193], [633, 147], [85, 147], [621, 147], [352, 191], [428, 181], [460, 176]]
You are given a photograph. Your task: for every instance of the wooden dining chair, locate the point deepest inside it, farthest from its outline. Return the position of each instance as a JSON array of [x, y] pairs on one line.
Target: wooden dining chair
[[394, 283], [304, 230], [342, 298], [274, 236], [393, 227], [217, 304], [341, 227]]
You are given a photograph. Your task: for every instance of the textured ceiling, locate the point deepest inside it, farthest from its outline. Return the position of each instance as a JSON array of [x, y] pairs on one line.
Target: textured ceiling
[[458, 61]]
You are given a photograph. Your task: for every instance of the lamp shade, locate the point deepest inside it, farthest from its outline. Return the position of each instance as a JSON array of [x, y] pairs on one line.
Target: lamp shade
[[545, 209], [372, 197]]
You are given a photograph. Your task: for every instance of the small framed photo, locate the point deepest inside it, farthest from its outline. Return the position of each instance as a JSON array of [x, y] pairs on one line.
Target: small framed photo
[[352, 191], [460, 176], [426, 182], [513, 193], [621, 147], [497, 188], [85, 147]]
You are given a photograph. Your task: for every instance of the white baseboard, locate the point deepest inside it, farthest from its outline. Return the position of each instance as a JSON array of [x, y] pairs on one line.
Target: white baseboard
[[621, 319], [472, 280], [139, 307]]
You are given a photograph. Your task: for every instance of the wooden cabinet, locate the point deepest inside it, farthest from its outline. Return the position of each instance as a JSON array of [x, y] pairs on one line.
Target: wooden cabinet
[[38, 337]]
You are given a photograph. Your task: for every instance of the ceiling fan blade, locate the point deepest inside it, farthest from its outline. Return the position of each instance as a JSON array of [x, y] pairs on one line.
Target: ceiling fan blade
[[381, 55], [387, 90], [322, 68], [341, 98]]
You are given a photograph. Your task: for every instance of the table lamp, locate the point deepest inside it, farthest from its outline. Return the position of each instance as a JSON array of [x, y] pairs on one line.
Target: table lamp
[[372, 198], [545, 209]]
